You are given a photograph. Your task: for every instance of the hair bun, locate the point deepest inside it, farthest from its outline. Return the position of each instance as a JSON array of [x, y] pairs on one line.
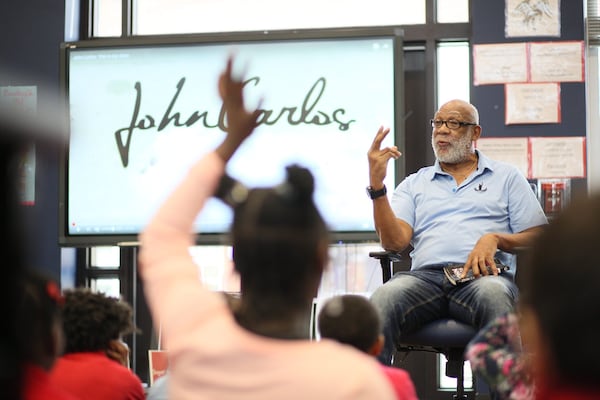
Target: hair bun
[[301, 181]]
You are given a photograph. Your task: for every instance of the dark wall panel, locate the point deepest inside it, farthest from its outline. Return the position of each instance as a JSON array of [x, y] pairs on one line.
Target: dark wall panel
[[488, 27], [30, 35]]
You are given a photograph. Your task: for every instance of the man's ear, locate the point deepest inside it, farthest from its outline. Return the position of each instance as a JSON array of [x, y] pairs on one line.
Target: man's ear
[[476, 132], [377, 346]]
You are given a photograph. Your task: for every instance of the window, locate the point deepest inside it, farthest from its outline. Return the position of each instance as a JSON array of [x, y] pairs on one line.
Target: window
[[453, 71], [186, 16], [448, 11], [108, 286], [215, 264], [350, 269], [107, 18], [449, 384], [104, 271], [105, 257], [68, 268]]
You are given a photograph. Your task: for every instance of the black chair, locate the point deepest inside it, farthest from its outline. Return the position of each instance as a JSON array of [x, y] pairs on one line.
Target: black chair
[[446, 336]]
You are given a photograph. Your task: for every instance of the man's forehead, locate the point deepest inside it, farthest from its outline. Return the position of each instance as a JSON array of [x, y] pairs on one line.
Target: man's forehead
[[451, 112]]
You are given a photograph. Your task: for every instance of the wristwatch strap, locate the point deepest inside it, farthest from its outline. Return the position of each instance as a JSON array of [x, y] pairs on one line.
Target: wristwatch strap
[[375, 194]]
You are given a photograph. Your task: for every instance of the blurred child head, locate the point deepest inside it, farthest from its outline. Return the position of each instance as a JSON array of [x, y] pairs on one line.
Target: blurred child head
[[353, 320], [280, 242], [560, 298], [93, 320]]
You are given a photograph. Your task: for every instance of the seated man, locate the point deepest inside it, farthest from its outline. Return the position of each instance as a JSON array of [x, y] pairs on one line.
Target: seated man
[[466, 208]]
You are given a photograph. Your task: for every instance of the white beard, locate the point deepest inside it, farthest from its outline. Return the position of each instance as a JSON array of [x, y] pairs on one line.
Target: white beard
[[459, 150]]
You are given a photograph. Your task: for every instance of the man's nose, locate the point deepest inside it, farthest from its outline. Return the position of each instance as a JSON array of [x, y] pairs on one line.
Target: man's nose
[[442, 130]]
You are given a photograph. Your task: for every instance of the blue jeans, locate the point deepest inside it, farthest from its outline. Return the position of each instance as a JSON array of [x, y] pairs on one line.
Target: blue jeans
[[412, 298]]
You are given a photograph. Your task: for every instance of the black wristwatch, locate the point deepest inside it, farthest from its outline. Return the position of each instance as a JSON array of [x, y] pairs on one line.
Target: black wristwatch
[[375, 194]]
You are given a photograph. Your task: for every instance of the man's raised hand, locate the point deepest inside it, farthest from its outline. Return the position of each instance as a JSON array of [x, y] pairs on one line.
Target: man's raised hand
[[378, 158]]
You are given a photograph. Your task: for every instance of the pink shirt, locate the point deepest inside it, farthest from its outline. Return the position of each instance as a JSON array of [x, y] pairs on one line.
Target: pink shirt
[[211, 356]]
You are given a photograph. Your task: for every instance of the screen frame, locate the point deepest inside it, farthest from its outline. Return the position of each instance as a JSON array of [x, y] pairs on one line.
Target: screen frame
[[65, 239]]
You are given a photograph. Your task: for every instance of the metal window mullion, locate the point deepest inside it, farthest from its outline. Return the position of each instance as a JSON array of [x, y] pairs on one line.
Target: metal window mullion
[[126, 18]]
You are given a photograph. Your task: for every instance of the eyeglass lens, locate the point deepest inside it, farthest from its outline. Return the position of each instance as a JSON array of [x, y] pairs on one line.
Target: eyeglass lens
[[451, 124]]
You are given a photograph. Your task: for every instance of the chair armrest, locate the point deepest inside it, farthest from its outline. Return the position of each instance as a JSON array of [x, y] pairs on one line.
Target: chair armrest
[[386, 258], [393, 256]]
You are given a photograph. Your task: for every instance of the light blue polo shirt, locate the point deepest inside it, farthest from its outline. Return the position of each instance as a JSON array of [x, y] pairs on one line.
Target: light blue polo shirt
[[447, 220]]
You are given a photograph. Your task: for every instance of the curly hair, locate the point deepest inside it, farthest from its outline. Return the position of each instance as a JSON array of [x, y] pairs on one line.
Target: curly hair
[[91, 320]]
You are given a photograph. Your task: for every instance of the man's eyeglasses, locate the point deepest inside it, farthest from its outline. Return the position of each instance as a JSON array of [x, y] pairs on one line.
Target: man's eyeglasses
[[451, 123]]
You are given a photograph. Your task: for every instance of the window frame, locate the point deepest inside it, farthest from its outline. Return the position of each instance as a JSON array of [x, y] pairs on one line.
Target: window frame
[[427, 35]]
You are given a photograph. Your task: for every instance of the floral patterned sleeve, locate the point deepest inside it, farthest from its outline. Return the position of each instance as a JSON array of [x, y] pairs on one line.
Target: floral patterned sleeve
[[496, 355]]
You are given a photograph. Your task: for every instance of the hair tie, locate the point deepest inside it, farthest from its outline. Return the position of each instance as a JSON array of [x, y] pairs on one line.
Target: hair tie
[[54, 293], [231, 191]]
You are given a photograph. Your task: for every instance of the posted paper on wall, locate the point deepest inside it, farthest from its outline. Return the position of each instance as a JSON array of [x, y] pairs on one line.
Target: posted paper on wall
[[22, 101], [532, 103], [556, 61], [532, 18], [514, 151], [557, 157], [499, 63]]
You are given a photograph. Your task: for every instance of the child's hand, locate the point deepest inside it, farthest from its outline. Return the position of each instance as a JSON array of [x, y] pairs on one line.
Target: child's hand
[[118, 351], [240, 122]]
